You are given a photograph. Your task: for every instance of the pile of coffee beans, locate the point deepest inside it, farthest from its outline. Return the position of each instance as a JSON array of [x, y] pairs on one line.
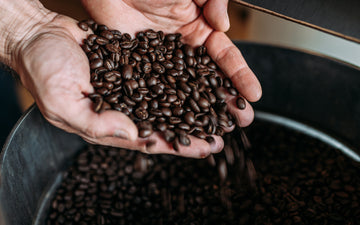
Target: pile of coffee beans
[[161, 83], [299, 180]]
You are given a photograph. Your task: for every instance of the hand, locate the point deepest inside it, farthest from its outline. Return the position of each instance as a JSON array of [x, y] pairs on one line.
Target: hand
[[200, 22]]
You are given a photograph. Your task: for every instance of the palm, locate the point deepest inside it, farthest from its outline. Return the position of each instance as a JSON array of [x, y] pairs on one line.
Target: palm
[[170, 16]]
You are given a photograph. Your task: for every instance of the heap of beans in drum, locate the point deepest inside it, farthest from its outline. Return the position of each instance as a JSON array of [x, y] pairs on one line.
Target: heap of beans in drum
[[161, 83]]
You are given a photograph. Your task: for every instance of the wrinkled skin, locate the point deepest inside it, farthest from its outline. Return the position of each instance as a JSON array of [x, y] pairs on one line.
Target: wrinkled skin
[[54, 68]]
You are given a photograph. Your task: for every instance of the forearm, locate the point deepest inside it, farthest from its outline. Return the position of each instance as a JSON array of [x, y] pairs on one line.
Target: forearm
[[19, 20]]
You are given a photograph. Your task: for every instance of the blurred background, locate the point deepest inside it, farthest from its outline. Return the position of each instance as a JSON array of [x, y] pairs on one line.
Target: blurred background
[[246, 25]]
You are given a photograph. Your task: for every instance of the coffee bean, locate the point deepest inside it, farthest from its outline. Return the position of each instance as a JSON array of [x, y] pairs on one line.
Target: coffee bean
[[161, 126], [151, 81], [157, 90], [83, 25], [174, 120], [184, 140], [166, 112], [233, 91], [200, 51], [102, 41], [157, 67], [210, 139], [199, 134], [141, 113], [128, 101], [240, 103], [203, 103], [213, 81], [189, 118], [96, 63], [97, 104], [169, 135], [220, 93], [170, 37], [176, 144], [194, 106], [188, 50], [127, 72]]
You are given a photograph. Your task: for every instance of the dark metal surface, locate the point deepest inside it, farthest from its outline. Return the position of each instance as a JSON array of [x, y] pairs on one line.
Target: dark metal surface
[[341, 18], [34, 153], [297, 85], [309, 88]]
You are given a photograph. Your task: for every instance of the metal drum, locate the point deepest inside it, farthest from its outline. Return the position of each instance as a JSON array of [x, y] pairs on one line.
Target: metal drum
[[310, 93]]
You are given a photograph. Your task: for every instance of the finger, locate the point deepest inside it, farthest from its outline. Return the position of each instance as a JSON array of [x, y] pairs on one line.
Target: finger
[[200, 3], [216, 14], [196, 32], [138, 144], [199, 148], [92, 126], [228, 57], [244, 117], [217, 145]]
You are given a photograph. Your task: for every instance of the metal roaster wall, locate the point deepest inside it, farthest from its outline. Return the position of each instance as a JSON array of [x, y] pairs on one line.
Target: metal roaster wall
[[297, 86]]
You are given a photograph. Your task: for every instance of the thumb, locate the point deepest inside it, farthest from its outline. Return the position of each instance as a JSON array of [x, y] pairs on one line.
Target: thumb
[[93, 125], [215, 13]]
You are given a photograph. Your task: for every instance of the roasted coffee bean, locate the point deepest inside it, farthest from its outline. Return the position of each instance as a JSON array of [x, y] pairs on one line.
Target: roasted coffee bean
[[213, 81], [174, 120], [102, 41], [233, 91], [205, 59], [141, 113], [203, 103], [188, 50], [128, 101], [176, 144], [184, 126], [184, 140], [177, 111], [156, 112], [240, 103], [194, 106], [151, 81], [154, 104], [157, 90], [181, 95], [166, 112], [189, 118], [107, 34], [137, 97], [127, 72], [161, 119], [96, 63], [83, 25], [199, 134], [161, 126], [220, 93], [157, 67], [128, 89], [185, 87], [98, 102]]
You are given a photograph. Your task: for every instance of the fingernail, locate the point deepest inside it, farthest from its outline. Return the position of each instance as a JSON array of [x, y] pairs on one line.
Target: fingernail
[[121, 134], [227, 23]]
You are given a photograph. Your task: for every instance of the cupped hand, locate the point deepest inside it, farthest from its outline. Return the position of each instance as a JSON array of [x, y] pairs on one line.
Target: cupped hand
[[201, 22], [54, 68]]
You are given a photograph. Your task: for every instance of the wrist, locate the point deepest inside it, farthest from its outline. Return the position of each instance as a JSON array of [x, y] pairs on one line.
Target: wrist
[[19, 21]]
